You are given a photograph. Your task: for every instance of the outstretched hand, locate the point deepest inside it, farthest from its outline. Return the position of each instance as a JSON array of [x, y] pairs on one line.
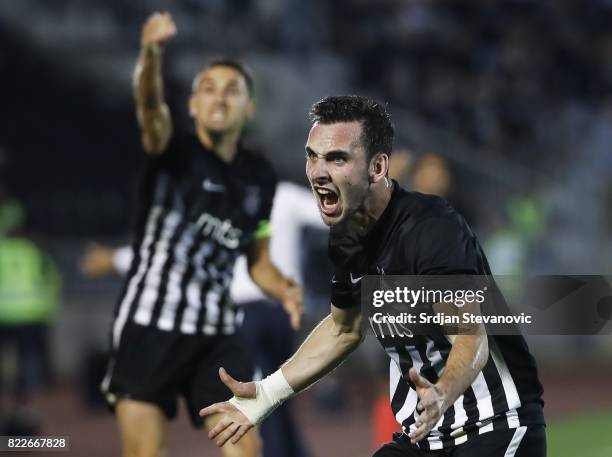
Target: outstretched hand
[[158, 29], [232, 425], [431, 405]]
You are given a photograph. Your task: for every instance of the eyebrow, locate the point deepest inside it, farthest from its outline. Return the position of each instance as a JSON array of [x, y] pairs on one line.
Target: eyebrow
[[210, 80], [334, 153]]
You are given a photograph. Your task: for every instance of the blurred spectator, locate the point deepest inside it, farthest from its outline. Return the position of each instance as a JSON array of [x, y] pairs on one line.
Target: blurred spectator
[[514, 235], [429, 173], [29, 291]]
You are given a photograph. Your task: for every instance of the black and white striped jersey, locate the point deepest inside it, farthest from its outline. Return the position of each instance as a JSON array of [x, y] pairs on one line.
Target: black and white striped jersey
[[196, 215], [422, 235]]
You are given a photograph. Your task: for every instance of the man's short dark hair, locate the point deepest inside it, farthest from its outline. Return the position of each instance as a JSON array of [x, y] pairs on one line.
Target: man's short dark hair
[[378, 130], [240, 67]]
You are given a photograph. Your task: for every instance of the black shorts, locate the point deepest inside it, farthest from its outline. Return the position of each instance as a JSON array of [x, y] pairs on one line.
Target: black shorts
[[529, 441], [156, 366]]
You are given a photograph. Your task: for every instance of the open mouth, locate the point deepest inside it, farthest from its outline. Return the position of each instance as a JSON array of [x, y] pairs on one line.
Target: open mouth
[[328, 200], [218, 115]]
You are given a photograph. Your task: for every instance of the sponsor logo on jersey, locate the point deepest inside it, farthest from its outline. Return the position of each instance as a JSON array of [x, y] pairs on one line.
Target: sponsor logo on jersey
[[221, 231]]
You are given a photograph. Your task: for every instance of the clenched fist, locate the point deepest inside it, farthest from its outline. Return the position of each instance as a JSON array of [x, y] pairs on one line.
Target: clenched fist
[[158, 29]]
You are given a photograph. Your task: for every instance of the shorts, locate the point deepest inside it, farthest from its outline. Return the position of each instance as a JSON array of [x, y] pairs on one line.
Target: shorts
[[157, 366], [526, 441]]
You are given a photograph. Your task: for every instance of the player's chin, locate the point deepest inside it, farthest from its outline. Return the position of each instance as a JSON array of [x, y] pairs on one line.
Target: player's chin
[[219, 127]]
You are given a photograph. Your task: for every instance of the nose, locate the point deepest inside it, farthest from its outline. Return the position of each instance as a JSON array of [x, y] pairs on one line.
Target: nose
[[218, 98], [316, 170]]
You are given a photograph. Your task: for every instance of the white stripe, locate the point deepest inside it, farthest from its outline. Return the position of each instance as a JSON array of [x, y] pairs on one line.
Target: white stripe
[[408, 407], [460, 420], [229, 316], [229, 325], [124, 308], [173, 296], [515, 441], [512, 396], [513, 419], [462, 439], [213, 311], [483, 397], [152, 282], [394, 376], [190, 316], [486, 428]]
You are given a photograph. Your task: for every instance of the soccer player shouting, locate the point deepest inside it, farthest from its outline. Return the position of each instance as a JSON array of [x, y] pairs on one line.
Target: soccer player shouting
[[471, 394]]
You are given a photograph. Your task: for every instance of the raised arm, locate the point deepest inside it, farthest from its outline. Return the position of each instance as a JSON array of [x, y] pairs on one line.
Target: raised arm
[[151, 109], [326, 347]]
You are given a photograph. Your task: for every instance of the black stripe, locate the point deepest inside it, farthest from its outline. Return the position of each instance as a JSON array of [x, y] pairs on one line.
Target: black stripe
[[496, 387], [424, 444], [471, 406], [399, 396]]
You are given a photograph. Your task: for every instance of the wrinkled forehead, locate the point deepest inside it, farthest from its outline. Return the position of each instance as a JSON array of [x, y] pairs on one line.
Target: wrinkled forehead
[[220, 75], [344, 136]]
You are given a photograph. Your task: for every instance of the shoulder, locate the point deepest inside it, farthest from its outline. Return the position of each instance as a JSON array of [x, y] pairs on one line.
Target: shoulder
[[181, 148], [438, 239], [423, 206], [432, 216]]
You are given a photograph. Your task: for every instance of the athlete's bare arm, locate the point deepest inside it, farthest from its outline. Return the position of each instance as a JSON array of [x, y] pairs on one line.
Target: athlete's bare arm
[[151, 109], [324, 349], [466, 359], [272, 282]]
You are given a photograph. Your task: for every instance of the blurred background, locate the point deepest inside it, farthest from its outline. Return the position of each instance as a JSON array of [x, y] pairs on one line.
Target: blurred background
[[502, 107]]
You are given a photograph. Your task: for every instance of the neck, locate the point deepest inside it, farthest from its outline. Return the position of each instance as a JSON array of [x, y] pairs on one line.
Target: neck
[[225, 144], [379, 196]]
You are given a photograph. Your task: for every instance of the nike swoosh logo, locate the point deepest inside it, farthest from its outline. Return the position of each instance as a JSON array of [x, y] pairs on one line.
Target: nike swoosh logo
[[355, 280], [210, 186]]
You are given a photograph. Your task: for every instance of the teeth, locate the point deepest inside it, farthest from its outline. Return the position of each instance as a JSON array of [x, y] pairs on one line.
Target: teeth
[[324, 192]]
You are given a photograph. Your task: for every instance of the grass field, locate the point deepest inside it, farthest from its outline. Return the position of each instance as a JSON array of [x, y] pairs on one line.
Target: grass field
[[582, 436]]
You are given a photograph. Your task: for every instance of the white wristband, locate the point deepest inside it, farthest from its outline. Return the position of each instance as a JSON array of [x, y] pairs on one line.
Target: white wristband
[[271, 393]]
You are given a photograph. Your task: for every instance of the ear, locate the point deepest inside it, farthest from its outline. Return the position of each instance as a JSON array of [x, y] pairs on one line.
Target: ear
[[379, 167], [250, 111], [192, 105]]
